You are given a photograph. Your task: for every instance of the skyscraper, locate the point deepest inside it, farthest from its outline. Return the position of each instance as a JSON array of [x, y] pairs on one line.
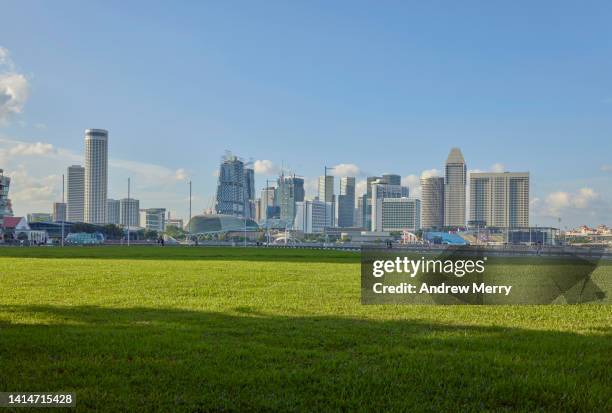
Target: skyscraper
[[113, 214], [129, 209], [392, 179], [249, 191], [231, 189], [75, 194], [499, 199], [289, 191], [326, 188], [59, 211], [432, 202], [454, 189], [346, 202], [96, 175], [266, 202], [5, 202], [366, 203], [381, 189]]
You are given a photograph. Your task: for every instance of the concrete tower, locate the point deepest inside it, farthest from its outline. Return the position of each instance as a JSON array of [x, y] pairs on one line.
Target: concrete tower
[[96, 175]]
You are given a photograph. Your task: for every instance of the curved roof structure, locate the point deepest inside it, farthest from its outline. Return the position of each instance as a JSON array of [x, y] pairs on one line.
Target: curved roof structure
[[215, 223]]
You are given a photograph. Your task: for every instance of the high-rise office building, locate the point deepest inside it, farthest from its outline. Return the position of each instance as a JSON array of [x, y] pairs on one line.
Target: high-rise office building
[[235, 188], [311, 217], [75, 194], [358, 222], [129, 210], [113, 211], [454, 189], [346, 202], [366, 203], [153, 219], [396, 214], [432, 202], [5, 202], [290, 190], [392, 179], [249, 191], [499, 199], [381, 188], [266, 202], [96, 175], [59, 211], [326, 188]]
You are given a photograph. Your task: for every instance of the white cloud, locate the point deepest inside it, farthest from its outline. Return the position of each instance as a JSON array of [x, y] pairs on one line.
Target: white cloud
[[181, 175], [413, 182], [32, 149], [14, 88], [346, 169], [361, 187], [498, 167], [606, 168], [265, 167], [37, 192], [556, 202], [428, 173], [36, 168], [311, 187]]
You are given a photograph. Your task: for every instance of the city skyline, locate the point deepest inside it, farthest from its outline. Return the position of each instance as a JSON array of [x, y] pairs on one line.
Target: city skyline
[[539, 102]]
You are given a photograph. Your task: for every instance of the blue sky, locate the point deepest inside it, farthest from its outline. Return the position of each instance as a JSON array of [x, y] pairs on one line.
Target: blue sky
[[377, 86]]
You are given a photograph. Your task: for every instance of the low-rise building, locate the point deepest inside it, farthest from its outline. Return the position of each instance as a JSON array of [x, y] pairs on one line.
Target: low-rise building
[[153, 219]]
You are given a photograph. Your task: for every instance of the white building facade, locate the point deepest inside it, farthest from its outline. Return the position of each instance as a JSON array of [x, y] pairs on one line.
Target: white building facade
[[397, 214], [153, 219], [96, 175], [311, 217], [75, 194], [500, 199]]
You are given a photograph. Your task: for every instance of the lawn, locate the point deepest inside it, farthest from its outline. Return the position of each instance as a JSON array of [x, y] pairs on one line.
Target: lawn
[[201, 329]]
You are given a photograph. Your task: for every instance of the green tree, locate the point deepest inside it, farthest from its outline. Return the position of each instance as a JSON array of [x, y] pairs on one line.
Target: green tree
[[175, 232], [150, 234], [112, 231], [84, 227]]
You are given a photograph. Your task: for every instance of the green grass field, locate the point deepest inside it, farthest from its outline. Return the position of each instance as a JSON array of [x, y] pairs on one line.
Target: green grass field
[[209, 329]]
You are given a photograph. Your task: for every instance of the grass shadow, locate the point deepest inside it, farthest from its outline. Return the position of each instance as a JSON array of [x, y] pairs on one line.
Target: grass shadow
[[174, 360]]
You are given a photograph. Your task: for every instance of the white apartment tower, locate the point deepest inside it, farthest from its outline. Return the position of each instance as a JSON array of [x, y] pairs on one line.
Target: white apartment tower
[[432, 202], [454, 189], [96, 175], [500, 199], [75, 194]]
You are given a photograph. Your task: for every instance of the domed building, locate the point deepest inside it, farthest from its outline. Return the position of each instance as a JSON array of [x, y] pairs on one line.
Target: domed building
[[218, 223]]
